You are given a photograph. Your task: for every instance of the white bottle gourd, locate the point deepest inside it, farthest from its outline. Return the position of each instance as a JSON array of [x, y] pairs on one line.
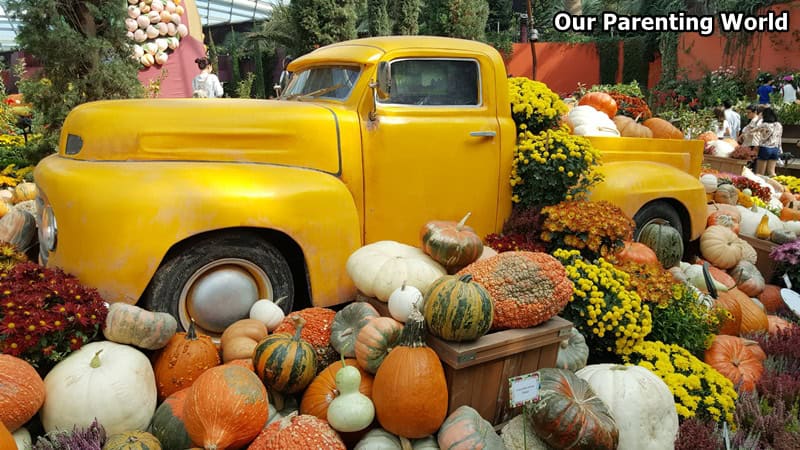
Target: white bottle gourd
[[350, 410]]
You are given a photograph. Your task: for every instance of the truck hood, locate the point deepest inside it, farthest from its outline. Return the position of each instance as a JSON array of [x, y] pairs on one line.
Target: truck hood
[[231, 130]]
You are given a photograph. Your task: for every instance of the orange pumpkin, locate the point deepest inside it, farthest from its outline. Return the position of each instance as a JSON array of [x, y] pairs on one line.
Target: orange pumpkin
[[6, 439], [630, 128], [771, 298], [226, 407], [734, 360], [453, 245], [662, 129], [293, 432], [638, 253], [708, 136], [240, 339], [601, 102], [410, 391], [185, 357], [725, 208], [754, 319], [788, 214], [786, 198], [21, 392], [777, 324], [321, 392], [731, 324]]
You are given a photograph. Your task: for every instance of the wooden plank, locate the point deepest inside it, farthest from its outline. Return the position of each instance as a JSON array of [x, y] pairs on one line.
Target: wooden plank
[[460, 384], [486, 387]]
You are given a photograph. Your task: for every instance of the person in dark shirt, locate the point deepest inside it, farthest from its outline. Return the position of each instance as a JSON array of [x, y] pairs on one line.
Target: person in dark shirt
[[764, 90]]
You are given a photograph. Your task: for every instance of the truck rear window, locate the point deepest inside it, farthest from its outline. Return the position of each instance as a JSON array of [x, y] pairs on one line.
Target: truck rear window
[[451, 82]]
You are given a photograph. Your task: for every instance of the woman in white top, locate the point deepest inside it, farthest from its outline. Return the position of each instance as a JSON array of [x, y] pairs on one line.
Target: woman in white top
[[206, 84], [769, 133], [789, 90], [724, 129]]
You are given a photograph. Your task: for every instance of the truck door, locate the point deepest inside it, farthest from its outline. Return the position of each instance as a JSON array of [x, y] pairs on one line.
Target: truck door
[[434, 151]]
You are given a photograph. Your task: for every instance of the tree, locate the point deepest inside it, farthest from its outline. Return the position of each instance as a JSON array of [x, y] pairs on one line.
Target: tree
[[84, 53], [406, 14], [378, 18], [457, 18], [322, 22], [501, 26]]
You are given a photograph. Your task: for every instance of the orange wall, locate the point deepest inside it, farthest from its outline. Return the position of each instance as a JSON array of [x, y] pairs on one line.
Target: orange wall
[[562, 66]]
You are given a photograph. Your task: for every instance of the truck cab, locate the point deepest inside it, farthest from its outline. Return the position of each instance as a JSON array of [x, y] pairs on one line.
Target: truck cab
[[200, 207]]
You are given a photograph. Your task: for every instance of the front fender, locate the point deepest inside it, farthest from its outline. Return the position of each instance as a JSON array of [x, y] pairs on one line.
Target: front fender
[[632, 184], [117, 220]]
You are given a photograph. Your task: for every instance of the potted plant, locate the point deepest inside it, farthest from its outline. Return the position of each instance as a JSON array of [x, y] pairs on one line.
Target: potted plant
[[789, 117]]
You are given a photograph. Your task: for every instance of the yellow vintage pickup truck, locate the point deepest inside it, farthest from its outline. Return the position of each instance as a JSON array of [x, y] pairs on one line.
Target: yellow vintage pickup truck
[[199, 207]]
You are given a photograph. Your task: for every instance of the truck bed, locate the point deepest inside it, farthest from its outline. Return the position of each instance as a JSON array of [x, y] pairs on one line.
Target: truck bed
[[684, 155]]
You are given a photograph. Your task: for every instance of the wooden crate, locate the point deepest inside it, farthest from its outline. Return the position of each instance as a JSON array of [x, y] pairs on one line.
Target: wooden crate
[[730, 165], [477, 372], [765, 264]]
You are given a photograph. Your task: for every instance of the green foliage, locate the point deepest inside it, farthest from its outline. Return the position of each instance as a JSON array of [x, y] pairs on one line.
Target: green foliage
[[464, 19], [635, 59], [608, 52], [322, 22], [789, 113], [245, 86], [633, 89], [406, 16], [378, 18], [724, 83], [84, 53], [684, 321]]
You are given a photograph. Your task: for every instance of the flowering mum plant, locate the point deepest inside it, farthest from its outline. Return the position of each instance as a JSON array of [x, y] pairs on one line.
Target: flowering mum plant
[[552, 166], [741, 183], [685, 321], [534, 105], [630, 106], [520, 232], [46, 314], [788, 258], [698, 388], [10, 256], [604, 307], [593, 228], [651, 281]]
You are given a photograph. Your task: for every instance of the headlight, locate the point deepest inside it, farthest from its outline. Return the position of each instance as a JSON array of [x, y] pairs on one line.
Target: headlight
[[48, 230]]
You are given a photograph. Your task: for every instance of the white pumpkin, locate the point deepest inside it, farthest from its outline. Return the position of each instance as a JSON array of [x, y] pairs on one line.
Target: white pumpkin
[[378, 269], [587, 121], [641, 403], [751, 217], [112, 382], [792, 225], [22, 437], [709, 183], [403, 300], [268, 312], [721, 148], [694, 276]]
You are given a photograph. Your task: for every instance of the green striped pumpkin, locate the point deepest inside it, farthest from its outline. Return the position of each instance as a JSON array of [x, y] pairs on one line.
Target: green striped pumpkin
[[453, 245], [167, 423], [465, 428], [286, 363], [375, 340], [133, 440], [457, 309], [665, 241]]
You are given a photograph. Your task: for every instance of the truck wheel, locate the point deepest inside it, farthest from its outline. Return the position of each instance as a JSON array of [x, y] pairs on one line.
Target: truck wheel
[[216, 281], [654, 211]]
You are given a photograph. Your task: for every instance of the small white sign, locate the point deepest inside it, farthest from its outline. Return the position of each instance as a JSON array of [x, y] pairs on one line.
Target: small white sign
[[523, 389]]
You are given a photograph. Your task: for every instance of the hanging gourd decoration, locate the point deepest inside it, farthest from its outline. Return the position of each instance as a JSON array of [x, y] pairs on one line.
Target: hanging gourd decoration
[[284, 362], [351, 410], [410, 390], [402, 300], [451, 244], [457, 309], [185, 357]]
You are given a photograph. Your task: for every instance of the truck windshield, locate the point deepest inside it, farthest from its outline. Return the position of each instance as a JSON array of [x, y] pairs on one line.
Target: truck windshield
[[333, 82]]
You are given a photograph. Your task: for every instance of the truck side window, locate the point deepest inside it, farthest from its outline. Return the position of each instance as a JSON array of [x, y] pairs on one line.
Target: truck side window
[[435, 82]]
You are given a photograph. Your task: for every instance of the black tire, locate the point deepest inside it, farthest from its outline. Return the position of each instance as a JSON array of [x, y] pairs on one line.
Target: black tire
[[658, 210], [164, 291]]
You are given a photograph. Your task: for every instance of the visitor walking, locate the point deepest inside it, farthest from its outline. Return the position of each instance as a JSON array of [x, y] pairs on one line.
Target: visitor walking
[[723, 127], [789, 89], [733, 118], [206, 84], [764, 90], [770, 133]]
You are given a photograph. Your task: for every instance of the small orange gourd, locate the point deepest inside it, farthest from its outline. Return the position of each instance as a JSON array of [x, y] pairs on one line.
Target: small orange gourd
[[185, 357]]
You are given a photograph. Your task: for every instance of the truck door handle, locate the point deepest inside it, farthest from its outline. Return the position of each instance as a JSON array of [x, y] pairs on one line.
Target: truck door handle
[[483, 134]]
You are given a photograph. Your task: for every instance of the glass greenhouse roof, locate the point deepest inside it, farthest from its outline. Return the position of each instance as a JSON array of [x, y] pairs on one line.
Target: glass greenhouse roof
[[212, 12]]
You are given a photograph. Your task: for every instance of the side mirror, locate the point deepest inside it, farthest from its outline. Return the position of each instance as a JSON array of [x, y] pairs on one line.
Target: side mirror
[[384, 84]]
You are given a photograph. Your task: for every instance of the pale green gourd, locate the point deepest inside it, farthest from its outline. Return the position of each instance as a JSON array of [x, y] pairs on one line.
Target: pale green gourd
[[350, 410]]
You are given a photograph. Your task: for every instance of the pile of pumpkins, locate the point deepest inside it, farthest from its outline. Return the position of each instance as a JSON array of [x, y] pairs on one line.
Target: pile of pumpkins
[[596, 115], [18, 215]]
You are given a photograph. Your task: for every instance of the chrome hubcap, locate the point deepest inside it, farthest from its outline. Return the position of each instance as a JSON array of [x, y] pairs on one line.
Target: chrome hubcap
[[221, 293]]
